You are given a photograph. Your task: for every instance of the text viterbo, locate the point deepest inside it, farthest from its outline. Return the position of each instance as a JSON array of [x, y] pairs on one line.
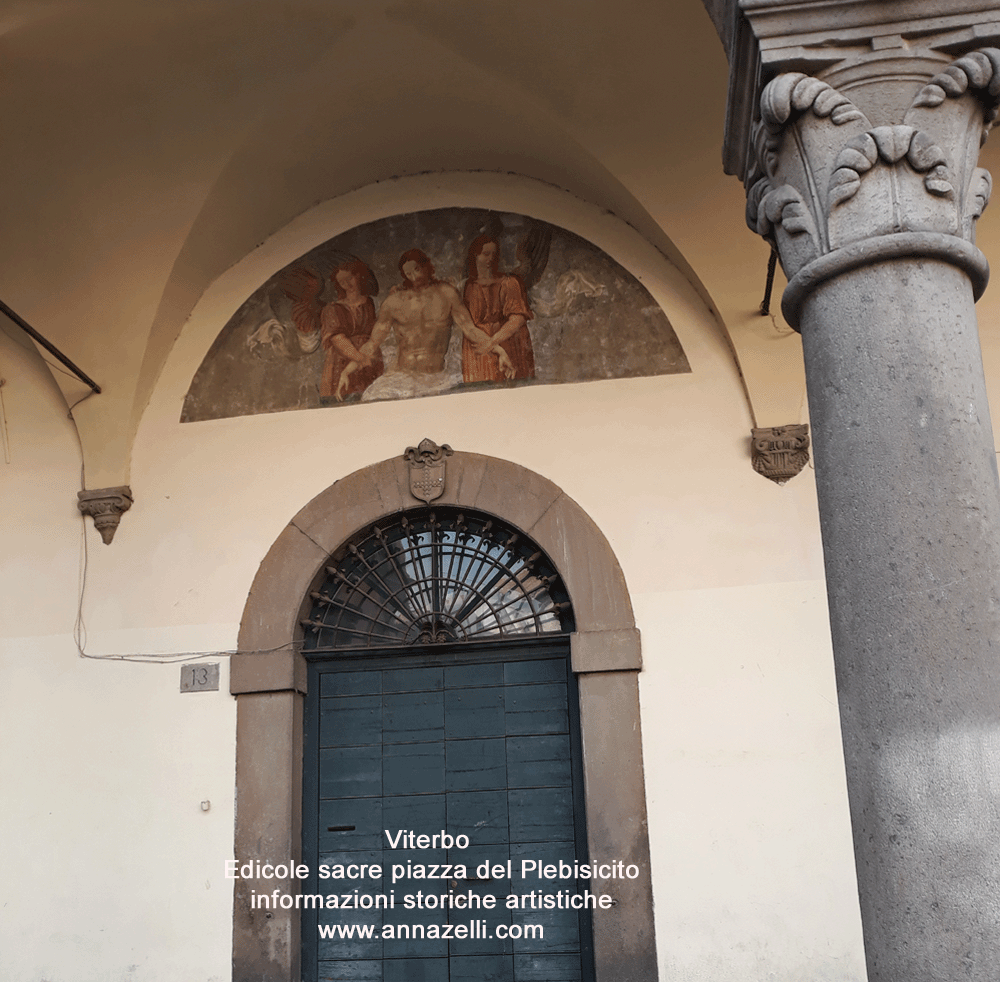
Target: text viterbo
[[405, 839]]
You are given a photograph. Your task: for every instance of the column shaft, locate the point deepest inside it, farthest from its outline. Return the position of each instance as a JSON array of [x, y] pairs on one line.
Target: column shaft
[[910, 510]]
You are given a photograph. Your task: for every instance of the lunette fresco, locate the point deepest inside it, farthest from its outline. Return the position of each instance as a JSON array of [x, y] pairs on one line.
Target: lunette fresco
[[428, 303]]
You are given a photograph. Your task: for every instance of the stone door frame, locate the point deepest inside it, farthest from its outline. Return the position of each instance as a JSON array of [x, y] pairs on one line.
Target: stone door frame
[[268, 678]]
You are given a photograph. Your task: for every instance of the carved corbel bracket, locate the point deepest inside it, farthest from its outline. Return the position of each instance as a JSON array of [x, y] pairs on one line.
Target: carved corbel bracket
[[106, 506], [427, 469], [779, 452]]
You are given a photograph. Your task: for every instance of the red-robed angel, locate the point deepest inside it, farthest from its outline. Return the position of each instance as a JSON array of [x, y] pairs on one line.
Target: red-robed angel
[[341, 327], [499, 306]]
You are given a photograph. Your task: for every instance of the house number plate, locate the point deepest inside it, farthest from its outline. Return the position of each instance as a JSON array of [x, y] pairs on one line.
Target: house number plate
[[200, 677]]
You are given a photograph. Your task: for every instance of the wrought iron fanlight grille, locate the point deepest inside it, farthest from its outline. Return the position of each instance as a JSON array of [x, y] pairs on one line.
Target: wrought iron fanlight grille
[[435, 576]]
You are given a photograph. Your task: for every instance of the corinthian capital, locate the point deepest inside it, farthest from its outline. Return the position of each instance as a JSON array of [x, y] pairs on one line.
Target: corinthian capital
[[833, 190]]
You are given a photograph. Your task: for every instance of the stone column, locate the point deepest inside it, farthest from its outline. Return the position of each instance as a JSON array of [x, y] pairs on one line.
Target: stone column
[[867, 184]]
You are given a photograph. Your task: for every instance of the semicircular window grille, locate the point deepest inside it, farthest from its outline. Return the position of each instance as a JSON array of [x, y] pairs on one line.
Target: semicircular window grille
[[436, 576]]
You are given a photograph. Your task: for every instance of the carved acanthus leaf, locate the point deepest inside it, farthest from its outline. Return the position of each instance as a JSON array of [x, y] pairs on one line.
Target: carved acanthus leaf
[[787, 97], [784, 206], [979, 70], [982, 188], [755, 196], [784, 100], [889, 144], [794, 92]]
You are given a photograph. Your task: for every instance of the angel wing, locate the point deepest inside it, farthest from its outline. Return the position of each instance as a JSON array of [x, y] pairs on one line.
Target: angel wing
[[303, 287], [533, 254]]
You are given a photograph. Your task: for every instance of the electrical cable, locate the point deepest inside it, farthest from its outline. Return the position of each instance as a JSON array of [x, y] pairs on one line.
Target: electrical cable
[[14, 316], [148, 658], [34, 350], [79, 625], [4, 434], [77, 403]]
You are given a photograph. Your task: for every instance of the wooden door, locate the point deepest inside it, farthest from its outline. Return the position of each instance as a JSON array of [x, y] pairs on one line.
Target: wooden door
[[473, 740]]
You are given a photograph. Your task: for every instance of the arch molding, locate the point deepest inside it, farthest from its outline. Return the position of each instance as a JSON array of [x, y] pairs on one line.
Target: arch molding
[[268, 678]]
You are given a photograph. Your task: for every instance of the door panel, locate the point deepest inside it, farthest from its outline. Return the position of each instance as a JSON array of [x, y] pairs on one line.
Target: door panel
[[478, 743]]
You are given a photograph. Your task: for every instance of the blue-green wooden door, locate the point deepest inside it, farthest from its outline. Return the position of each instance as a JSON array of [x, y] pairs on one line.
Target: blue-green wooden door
[[470, 741]]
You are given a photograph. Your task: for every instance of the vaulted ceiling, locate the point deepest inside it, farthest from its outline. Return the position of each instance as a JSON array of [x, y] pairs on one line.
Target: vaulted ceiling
[[151, 144]]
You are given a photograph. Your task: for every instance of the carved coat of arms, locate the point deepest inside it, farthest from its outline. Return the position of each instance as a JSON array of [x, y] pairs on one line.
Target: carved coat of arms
[[427, 469]]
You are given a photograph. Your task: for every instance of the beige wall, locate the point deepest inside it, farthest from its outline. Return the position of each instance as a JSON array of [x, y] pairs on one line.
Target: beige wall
[[117, 869]]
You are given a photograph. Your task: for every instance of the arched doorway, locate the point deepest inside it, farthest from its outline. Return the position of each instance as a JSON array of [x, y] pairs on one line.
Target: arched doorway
[[270, 678], [440, 700]]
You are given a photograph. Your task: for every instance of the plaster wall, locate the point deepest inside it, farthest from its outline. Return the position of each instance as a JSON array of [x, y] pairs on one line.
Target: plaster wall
[[117, 872], [109, 867]]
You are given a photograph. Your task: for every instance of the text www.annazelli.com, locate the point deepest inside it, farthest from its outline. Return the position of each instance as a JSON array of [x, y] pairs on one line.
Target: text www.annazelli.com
[[477, 929]]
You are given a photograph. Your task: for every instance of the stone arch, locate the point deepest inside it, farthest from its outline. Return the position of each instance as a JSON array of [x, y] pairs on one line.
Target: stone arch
[[268, 677]]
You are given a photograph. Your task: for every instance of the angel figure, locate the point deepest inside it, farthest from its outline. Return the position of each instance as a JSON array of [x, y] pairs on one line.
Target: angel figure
[[498, 304], [346, 327], [340, 327]]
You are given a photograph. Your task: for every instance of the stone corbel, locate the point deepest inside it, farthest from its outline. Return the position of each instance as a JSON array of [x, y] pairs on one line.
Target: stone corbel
[[779, 452], [106, 506]]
